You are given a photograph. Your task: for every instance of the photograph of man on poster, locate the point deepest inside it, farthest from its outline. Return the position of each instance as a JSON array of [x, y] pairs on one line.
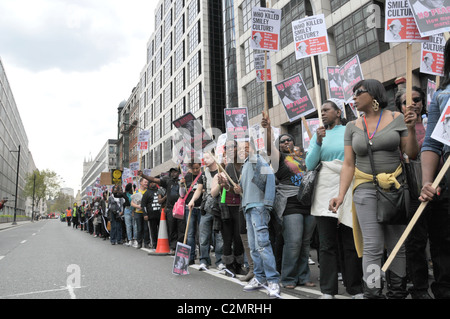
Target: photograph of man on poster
[[394, 30]]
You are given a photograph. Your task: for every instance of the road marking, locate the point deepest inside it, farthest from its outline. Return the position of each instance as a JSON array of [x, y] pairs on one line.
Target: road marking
[[23, 241], [1, 257], [69, 288]]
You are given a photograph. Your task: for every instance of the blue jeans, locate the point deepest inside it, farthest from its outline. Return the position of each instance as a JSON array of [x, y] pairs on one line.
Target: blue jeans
[[206, 235], [297, 232], [130, 224], [264, 265], [116, 230], [194, 223]]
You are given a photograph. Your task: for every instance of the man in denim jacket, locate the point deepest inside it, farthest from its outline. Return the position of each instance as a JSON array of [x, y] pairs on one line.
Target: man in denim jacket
[[437, 213], [257, 187]]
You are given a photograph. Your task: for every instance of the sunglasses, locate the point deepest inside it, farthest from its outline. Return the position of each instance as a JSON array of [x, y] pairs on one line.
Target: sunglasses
[[286, 140], [415, 100], [358, 92]]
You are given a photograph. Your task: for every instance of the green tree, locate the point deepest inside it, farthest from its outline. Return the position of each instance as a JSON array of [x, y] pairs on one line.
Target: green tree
[[44, 184], [61, 202]]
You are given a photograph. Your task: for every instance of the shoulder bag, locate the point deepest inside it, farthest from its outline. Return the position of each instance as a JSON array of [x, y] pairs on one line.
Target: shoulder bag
[[392, 204], [307, 186], [178, 208]]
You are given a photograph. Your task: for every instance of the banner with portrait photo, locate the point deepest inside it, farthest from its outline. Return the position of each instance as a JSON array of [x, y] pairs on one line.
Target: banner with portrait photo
[[400, 25], [432, 56], [441, 132], [259, 60], [181, 260], [265, 29], [295, 97], [334, 83], [310, 36], [236, 123], [258, 133], [351, 74], [195, 140], [431, 16]]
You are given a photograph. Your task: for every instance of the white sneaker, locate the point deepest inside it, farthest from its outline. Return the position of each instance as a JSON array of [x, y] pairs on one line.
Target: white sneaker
[[253, 285], [134, 244], [274, 290], [327, 296], [358, 296], [311, 262], [221, 266], [203, 266]]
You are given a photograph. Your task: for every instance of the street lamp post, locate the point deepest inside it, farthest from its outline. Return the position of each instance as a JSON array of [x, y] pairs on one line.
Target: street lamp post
[[17, 184]]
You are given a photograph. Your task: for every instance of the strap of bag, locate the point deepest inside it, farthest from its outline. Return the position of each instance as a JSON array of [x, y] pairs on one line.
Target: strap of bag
[[192, 185], [369, 148]]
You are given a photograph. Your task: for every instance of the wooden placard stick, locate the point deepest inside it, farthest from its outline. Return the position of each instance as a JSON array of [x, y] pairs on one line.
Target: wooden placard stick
[[408, 74], [316, 90], [414, 219], [305, 123]]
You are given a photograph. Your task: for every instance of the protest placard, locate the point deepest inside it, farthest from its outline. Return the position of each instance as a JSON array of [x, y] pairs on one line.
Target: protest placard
[[310, 36], [236, 122], [143, 139], [260, 67], [195, 139], [295, 97], [432, 55], [351, 74], [432, 17], [313, 124], [258, 133], [441, 132], [265, 29], [400, 25], [334, 83], [181, 260]]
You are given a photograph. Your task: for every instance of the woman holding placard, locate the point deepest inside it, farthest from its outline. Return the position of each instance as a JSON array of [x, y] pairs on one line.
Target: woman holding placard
[[388, 133], [327, 146]]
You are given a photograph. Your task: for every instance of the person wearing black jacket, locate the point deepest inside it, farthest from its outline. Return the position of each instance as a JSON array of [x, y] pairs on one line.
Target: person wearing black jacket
[[175, 227], [152, 212]]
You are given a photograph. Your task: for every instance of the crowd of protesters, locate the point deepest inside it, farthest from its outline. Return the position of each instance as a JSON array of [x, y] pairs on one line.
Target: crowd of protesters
[[246, 207]]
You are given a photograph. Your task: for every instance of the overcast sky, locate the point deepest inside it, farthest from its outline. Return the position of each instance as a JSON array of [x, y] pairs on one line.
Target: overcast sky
[[70, 64]]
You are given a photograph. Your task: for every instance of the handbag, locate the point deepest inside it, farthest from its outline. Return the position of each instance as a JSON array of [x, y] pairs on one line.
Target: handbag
[[178, 208], [307, 186], [392, 204]]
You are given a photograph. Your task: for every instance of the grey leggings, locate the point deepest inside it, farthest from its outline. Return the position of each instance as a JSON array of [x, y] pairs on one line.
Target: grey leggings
[[376, 238]]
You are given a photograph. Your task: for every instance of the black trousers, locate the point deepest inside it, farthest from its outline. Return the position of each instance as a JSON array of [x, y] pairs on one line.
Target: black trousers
[[232, 242], [334, 240]]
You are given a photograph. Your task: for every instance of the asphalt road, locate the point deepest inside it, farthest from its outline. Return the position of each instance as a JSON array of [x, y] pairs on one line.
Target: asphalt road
[[49, 260]]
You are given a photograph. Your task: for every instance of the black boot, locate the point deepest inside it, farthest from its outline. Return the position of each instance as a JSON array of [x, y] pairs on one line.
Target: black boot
[[396, 286], [375, 292]]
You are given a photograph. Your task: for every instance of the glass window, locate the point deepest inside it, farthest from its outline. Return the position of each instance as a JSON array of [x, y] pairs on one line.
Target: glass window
[[194, 67], [193, 10], [246, 8], [195, 101], [194, 38], [179, 29], [179, 83]]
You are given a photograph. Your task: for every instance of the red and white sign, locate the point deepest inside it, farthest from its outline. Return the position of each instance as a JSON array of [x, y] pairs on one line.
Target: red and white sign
[[432, 57], [265, 29], [400, 25], [259, 59], [310, 36]]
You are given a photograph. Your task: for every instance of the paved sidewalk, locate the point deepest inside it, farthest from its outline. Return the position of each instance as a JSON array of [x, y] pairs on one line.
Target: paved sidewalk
[[7, 225]]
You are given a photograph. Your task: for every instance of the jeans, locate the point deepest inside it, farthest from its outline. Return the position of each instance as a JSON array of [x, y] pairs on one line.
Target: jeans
[[206, 232], [194, 223], [130, 223], [260, 248], [116, 230], [297, 233], [143, 233]]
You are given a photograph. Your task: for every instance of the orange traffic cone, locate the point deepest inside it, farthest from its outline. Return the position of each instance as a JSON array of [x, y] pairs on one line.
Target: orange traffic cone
[[162, 246]]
